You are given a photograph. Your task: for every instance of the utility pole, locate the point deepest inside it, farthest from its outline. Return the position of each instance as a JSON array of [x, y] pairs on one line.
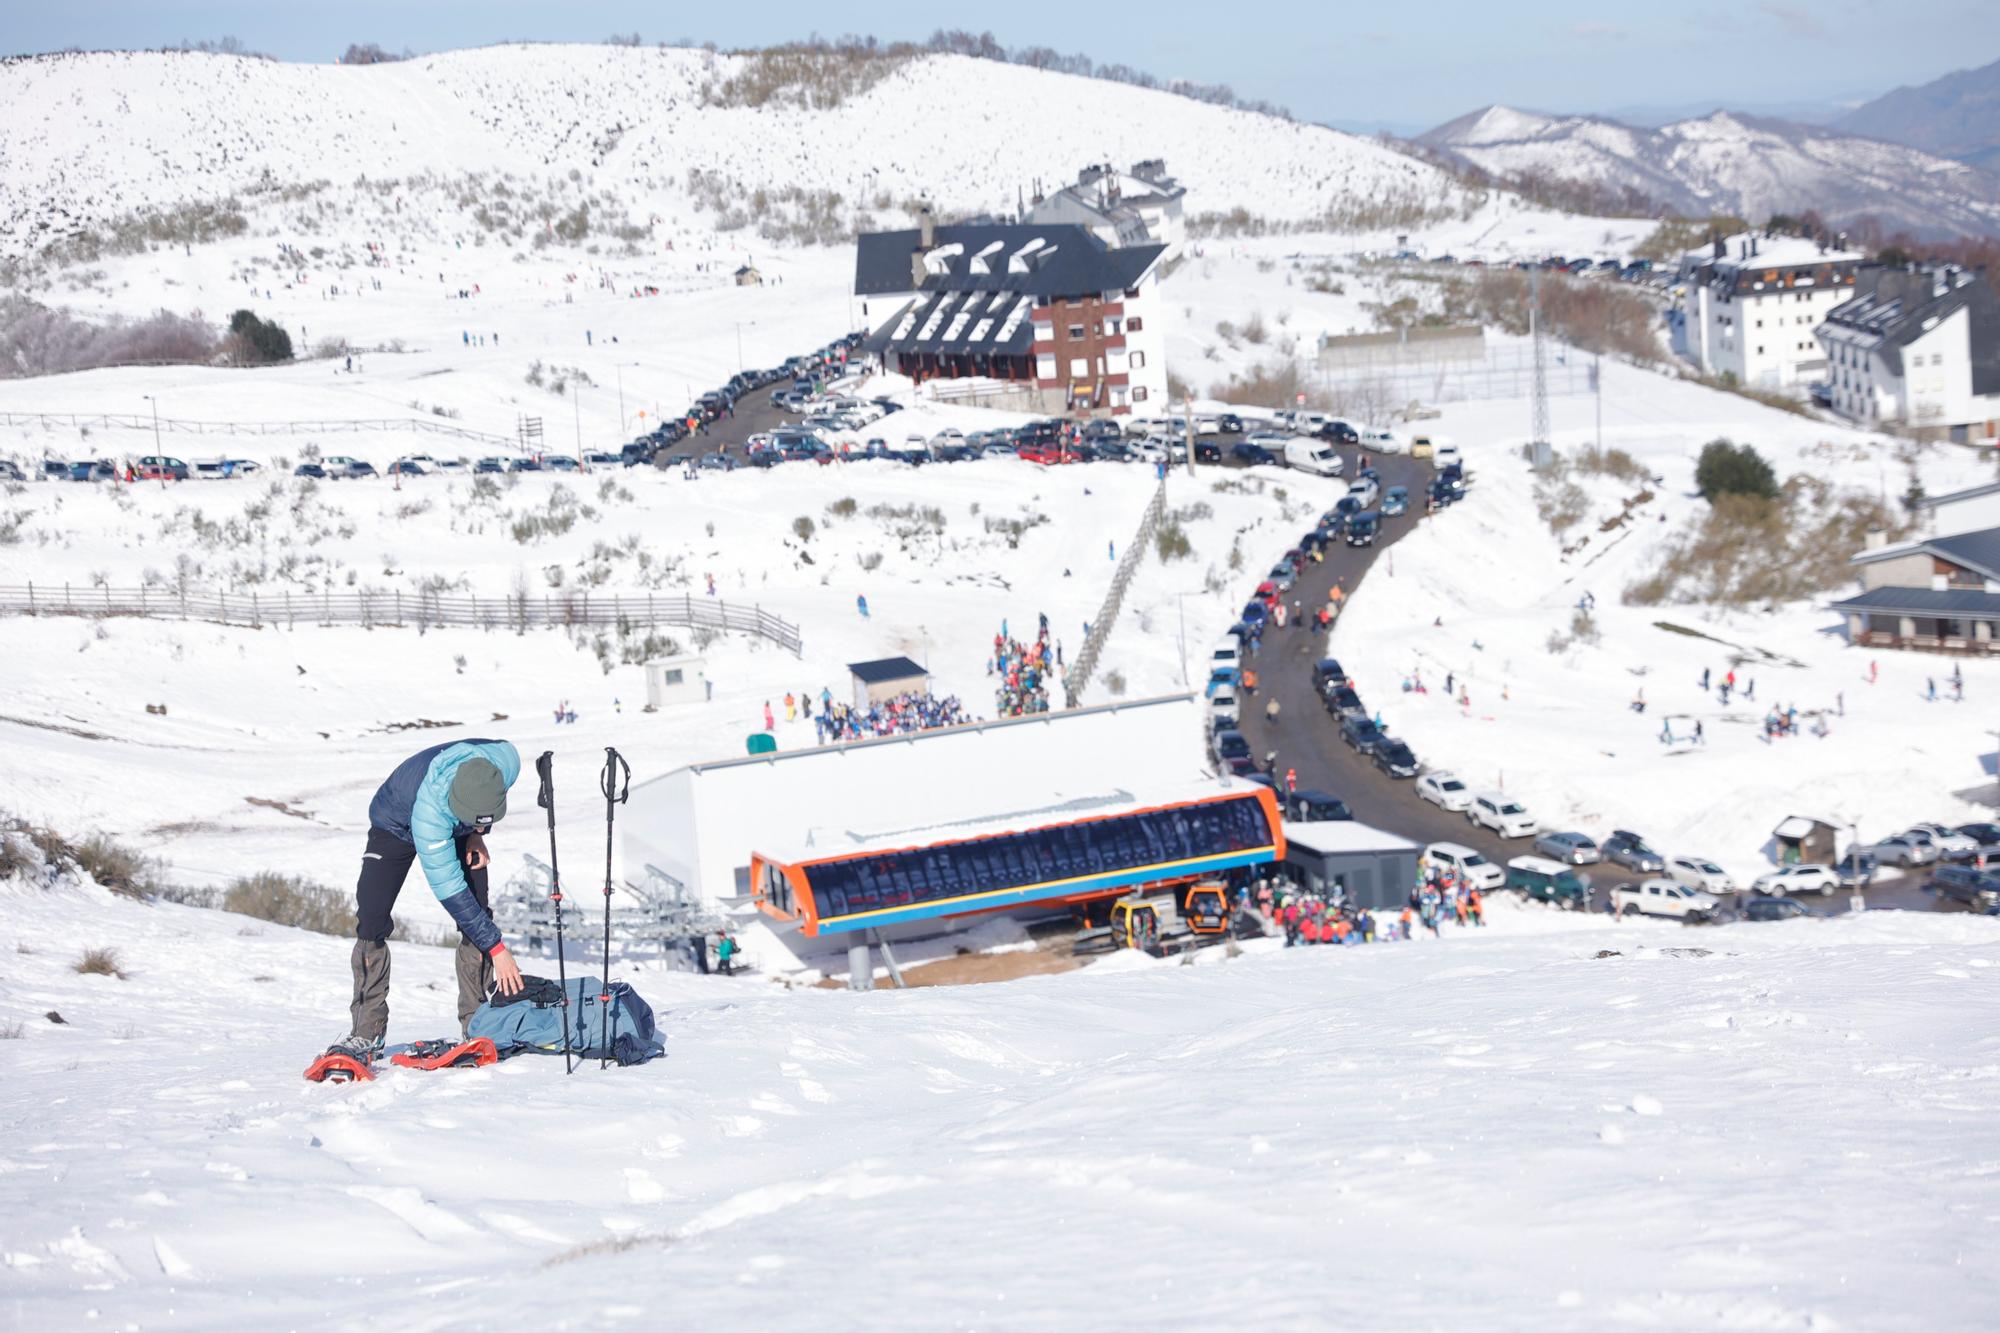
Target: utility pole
[[156, 423], [1187, 410], [576, 410], [1541, 392], [620, 371], [1597, 386]]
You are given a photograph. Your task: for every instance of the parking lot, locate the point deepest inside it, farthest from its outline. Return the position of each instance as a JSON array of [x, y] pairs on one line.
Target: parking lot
[[1307, 737]]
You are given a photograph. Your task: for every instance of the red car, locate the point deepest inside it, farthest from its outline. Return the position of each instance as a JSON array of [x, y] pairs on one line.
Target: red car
[[1044, 453]]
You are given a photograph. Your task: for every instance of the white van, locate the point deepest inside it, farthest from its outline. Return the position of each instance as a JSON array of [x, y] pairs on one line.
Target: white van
[[1309, 423], [1314, 456], [1458, 859], [1379, 440], [1445, 455]]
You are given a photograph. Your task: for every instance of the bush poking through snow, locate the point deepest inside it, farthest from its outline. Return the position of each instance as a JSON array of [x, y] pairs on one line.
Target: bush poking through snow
[[35, 849], [99, 963], [289, 900], [844, 507], [1114, 683], [803, 528], [256, 342], [1733, 469], [1171, 540], [11, 1031]]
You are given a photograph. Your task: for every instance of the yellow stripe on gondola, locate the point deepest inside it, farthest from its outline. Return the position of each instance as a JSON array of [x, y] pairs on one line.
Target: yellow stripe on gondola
[[1162, 866]]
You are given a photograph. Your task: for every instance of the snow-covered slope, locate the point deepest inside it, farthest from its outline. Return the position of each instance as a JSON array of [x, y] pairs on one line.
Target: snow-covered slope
[[1730, 163], [87, 138], [1771, 1127]]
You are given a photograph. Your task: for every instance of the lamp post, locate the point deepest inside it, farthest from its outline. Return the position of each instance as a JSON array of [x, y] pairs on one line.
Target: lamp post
[[156, 422]]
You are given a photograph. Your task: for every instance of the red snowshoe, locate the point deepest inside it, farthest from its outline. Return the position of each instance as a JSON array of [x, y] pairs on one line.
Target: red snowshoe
[[340, 1067], [448, 1054]]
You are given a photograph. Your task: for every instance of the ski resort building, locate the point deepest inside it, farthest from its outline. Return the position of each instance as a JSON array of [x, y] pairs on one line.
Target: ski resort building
[[904, 835], [1142, 206], [1071, 323], [1750, 304], [1917, 348], [1939, 594]]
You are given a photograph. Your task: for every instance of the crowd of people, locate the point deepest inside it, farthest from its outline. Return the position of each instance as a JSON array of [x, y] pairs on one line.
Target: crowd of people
[[1024, 671], [1307, 917], [907, 712]]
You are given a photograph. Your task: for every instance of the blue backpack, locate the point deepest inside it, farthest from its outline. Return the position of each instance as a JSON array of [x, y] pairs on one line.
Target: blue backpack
[[533, 1021]]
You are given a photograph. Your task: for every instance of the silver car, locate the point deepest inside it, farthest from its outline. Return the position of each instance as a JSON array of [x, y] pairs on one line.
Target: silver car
[[1907, 849], [1575, 849]]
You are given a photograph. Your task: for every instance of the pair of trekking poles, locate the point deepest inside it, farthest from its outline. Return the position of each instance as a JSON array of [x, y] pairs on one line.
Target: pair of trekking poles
[[616, 784]]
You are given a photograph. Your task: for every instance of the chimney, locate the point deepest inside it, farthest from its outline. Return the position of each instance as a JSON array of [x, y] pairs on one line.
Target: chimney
[[926, 227], [1877, 538], [1753, 247], [1840, 241], [1721, 248]]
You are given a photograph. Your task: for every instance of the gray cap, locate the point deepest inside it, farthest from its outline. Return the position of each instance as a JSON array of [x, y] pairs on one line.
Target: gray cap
[[478, 792]]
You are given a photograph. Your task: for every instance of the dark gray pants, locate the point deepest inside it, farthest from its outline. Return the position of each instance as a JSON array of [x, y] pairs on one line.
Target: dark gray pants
[[384, 867]]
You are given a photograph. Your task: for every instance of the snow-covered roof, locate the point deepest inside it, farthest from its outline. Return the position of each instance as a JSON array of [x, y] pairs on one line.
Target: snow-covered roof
[[1798, 826], [1773, 252], [1978, 551], [1343, 835]]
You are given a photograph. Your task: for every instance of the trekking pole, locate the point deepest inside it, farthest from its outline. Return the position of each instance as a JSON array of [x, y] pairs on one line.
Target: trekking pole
[[546, 798], [617, 785]]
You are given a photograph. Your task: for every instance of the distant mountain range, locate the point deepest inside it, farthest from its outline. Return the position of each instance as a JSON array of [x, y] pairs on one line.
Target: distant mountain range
[[1745, 165], [1956, 116]]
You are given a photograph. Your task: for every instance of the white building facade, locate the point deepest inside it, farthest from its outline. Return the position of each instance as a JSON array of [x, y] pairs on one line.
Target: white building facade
[[1750, 305], [1143, 206], [1918, 348]]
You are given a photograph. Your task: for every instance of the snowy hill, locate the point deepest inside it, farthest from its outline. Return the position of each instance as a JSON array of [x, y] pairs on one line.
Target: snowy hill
[[91, 138], [1734, 164], [1553, 1123]]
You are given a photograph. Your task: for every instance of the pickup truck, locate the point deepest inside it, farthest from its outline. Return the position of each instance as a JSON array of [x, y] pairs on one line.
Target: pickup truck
[[1663, 897]]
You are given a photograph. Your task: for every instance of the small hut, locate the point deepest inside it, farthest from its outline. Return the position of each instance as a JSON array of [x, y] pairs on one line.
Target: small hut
[[885, 678], [748, 276], [1802, 839]]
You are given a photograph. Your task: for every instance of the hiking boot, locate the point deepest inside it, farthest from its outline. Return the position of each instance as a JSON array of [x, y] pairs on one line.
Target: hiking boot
[[365, 1049]]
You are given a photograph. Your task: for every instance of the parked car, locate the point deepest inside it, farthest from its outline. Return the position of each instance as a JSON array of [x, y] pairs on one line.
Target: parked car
[[1361, 529], [1251, 453], [1395, 758], [93, 469], [1576, 849], [406, 467], [1447, 791], [1701, 873], [340, 466], [1228, 423], [1664, 897], [1775, 909], [1856, 869], [1377, 440], [359, 470], [560, 463], [1787, 880], [1360, 733], [1327, 672], [1501, 813], [1314, 456], [1283, 576], [1222, 703], [1395, 501], [1421, 447], [1228, 653], [1339, 432], [11, 471], [1316, 805], [1444, 456], [1944, 838], [1546, 881], [1342, 701], [158, 467], [1232, 751], [1205, 451], [488, 466], [1907, 849], [1457, 859], [55, 469], [1628, 849], [313, 470], [1365, 492], [1966, 884]]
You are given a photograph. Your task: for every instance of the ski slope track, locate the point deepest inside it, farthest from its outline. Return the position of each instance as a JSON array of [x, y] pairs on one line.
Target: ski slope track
[[90, 138], [1783, 1128]]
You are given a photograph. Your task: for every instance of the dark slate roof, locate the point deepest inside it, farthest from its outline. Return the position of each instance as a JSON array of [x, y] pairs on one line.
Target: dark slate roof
[[1951, 497], [1056, 260], [885, 669], [1978, 551], [953, 322], [1925, 602], [1897, 304]]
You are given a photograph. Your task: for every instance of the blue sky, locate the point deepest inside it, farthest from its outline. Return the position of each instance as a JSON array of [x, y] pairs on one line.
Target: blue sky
[[1410, 66]]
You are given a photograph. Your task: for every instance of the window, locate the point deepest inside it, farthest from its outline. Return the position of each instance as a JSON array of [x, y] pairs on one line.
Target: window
[[1134, 324], [1760, 349], [1138, 360], [1045, 367], [672, 676], [1079, 367], [1760, 323], [1139, 394], [1076, 331]]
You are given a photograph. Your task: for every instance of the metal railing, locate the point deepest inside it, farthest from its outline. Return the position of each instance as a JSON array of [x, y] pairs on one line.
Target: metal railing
[[418, 609], [181, 426], [1084, 665]]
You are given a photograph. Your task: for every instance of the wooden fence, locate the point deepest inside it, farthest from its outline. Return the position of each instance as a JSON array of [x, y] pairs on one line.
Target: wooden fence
[[181, 426], [421, 610], [1084, 665]]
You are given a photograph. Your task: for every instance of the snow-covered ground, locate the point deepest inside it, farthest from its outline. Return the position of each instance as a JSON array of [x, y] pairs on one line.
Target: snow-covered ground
[[1774, 1127], [1478, 591]]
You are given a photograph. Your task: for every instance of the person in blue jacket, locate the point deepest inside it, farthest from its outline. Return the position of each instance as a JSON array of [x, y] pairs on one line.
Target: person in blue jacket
[[435, 809]]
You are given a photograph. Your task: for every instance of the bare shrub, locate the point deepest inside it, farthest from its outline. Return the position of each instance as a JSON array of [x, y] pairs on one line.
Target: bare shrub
[[1170, 539], [845, 507], [292, 900], [99, 963], [1114, 683], [1615, 463], [1750, 551], [11, 1031], [869, 560], [36, 340], [803, 528], [1596, 316]]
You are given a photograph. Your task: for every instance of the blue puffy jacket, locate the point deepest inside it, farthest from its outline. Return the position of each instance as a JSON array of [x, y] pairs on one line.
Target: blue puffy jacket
[[415, 805]]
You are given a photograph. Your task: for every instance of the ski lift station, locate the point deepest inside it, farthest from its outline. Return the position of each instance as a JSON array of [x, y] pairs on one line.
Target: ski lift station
[[904, 836]]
